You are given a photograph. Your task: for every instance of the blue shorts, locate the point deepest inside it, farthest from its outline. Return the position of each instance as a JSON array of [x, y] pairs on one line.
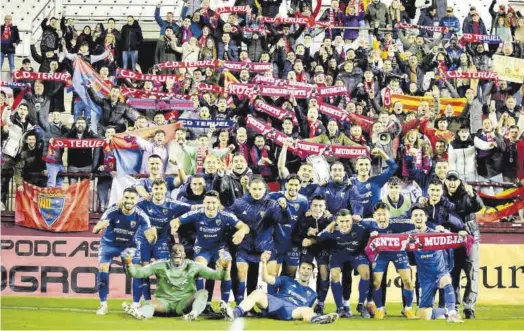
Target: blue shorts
[[339, 259], [428, 288], [106, 254], [158, 251], [279, 309], [211, 255], [290, 258], [243, 256], [400, 260], [320, 256]]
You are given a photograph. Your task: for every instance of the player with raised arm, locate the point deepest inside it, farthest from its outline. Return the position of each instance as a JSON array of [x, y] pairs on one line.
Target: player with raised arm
[[160, 210], [292, 301], [211, 226], [121, 225], [145, 185], [305, 172], [286, 252], [433, 271], [382, 224], [349, 240], [176, 291]]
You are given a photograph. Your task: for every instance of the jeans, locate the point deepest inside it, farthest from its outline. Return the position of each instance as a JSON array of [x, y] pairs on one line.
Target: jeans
[[10, 58], [125, 58], [81, 109], [73, 180], [103, 187], [52, 171]]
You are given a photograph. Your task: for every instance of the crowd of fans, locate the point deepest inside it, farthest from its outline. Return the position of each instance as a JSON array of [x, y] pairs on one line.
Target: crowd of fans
[[364, 49]]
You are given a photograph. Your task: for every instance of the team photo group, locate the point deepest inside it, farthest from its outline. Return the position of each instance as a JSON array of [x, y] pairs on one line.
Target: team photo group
[[285, 153]]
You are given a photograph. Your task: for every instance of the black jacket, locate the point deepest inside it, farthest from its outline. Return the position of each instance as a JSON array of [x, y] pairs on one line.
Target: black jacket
[[465, 208], [8, 47], [131, 36], [113, 115], [229, 186], [82, 157], [50, 39]]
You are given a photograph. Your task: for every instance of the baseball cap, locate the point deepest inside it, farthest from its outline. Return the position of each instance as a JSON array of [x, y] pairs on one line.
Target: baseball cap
[[453, 174]]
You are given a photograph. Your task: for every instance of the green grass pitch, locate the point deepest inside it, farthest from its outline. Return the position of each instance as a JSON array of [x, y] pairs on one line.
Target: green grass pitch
[[79, 314]]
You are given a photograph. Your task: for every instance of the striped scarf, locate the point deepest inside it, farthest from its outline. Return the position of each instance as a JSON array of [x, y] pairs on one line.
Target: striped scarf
[[200, 157]]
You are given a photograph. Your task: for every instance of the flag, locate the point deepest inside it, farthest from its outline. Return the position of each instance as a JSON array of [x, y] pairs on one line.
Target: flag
[[118, 187], [228, 80], [500, 205], [410, 103], [128, 154], [83, 74], [54, 209]]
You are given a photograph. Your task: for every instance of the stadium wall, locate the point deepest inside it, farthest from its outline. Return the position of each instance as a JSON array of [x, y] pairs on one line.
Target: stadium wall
[[37, 263]]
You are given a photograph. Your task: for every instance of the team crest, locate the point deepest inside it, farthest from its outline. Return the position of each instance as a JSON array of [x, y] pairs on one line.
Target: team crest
[[196, 249], [132, 224], [368, 186], [296, 205], [50, 208], [262, 213], [353, 234], [219, 221], [164, 211], [308, 293]]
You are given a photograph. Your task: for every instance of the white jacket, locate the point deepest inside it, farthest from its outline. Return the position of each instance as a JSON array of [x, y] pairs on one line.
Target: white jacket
[[464, 160]]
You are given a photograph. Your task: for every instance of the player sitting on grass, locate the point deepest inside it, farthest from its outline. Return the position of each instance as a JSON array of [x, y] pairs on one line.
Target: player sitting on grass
[[433, 273], [176, 290], [121, 223], [293, 299]]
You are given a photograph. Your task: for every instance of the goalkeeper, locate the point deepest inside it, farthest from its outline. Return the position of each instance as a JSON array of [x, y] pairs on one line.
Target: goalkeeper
[[176, 290]]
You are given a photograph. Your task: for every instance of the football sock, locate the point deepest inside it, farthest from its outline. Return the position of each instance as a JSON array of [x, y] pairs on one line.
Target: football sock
[[437, 312], [200, 284], [240, 292], [336, 288], [225, 288], [238, 312], [210, 288], [378, 298], [103, 285], [323, 290], [449, 297], [137, 289], [363, 289], [146, 289], [408, 297]]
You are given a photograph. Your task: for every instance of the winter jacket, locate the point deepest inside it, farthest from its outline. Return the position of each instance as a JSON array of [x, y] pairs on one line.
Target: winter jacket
[[8, 44], [425, 19], [50, 39], [462, 156], [232, 51], [131, 37], [465, 209], [113, 114], [45, 62], [164, 51], [262, 216], [490, 162], [13, 140], [229, 187], [442, 214], [468, 27], [164, 24], [30, 161], [378, 12], [452, 23], [82, 157]]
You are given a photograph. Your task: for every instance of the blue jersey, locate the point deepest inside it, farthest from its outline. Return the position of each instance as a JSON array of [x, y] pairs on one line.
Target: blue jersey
[[147, 184], [393, 227], [364, 195], [210, 231], [291, 290], [297, 210], [431, 264], [123, 228], [306, 191], [351, 243], [161, 215], [337, 195]]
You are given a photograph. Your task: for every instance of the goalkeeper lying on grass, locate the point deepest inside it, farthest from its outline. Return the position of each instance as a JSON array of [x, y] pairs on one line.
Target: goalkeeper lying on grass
[[176, 290]]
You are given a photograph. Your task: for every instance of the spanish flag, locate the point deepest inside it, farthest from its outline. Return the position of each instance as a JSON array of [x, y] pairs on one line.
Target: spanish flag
[[503, 204], [411, 103], [229, 79]]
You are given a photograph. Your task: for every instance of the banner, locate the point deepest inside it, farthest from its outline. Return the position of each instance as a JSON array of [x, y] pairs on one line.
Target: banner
[[415, 242], [133, 75], [206, 124], [495, 214], [486, 75], [469, 38], [54, 209], [303, 148], [411, 103], [77, 143], [509, 68], [13, 85], [440, 29], [160, 104], [63, 77]]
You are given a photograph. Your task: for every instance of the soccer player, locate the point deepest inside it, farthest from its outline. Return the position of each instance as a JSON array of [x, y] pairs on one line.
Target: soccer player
[[176, 291], [145, 185], [349, 241], [336, 190], [433, 272], [307, 229], [365, 190], [121, 225], [305, 172], [211, 225], [381, 263], [262, 215], [292, 301], [286, 252], [161, 211]]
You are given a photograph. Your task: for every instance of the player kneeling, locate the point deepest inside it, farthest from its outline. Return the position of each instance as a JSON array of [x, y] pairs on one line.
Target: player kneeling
[[293, 299], [433, 273], [176, 290]]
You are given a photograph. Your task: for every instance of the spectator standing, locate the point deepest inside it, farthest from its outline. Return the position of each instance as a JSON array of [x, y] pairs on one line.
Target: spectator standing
[[9, 40], [131, 40]]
